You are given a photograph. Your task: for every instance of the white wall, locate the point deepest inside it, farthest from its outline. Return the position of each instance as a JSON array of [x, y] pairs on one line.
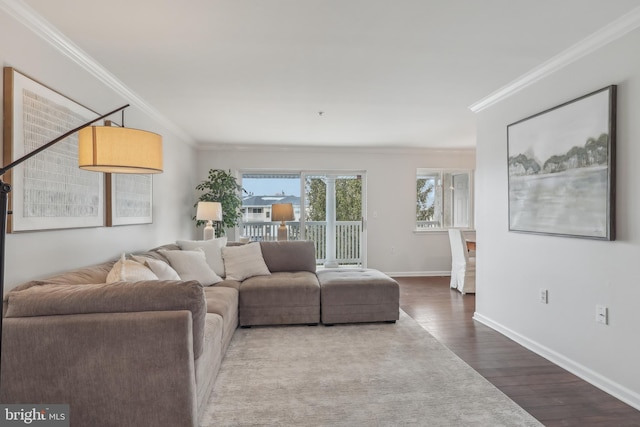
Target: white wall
[[578, 273], [391, 193], [32, 255]]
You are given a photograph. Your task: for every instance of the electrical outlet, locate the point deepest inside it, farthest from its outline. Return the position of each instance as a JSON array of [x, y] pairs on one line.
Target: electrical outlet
[[602, 314], [544, 296]]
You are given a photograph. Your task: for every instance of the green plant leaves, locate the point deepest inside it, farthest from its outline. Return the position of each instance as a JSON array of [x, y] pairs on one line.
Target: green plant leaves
[[221, 186]]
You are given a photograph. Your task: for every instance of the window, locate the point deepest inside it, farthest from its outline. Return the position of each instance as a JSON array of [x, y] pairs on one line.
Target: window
[[444, 199]]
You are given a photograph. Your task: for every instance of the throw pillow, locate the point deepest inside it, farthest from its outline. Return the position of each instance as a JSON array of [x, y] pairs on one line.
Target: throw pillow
[[126, 270], [192, 265], [212, 251], [242, 262], [159, 268]]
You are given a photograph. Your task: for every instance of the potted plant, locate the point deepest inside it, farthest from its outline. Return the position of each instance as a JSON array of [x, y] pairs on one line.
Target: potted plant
[[221, 186]]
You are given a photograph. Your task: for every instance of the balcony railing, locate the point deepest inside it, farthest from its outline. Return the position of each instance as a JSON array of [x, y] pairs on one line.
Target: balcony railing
[[347, 237]]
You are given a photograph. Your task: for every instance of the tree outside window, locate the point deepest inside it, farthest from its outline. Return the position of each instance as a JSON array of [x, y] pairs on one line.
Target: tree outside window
[[348, 199]]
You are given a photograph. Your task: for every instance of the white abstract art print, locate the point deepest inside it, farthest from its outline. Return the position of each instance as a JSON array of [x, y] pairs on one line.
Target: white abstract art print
[[130, 198], [562, 169], [49, 190]]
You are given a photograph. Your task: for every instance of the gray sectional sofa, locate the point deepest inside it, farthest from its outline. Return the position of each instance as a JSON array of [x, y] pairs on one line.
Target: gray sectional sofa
[[143, 353]]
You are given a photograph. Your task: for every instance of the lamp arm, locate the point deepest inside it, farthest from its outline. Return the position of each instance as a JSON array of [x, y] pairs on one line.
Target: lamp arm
[[55, 141]]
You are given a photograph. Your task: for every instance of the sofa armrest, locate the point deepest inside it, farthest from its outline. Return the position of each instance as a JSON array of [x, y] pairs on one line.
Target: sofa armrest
[[122, 297], [113, 369]]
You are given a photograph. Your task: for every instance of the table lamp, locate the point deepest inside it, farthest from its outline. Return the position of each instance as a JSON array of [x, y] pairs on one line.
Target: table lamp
[[282, 212], [209, 211]]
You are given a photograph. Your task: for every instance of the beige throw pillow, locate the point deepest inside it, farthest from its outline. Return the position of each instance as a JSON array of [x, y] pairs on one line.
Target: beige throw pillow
[[192, 265], [126, 270], [212, 251], [242, 262], [159, 268]]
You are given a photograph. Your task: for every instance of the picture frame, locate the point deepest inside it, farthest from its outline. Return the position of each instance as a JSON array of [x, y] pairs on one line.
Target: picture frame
[[561, 167], [129, 199], [50, 191]]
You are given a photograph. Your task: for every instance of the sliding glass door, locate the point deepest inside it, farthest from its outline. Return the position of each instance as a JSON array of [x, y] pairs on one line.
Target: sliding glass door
[[328, 209]]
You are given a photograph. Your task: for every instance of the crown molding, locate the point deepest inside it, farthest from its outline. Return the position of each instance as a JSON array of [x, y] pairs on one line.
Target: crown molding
[[269, 148], [616, 29], [24, 14]]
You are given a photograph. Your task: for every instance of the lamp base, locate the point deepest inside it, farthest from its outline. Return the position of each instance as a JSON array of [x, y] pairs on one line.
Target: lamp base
[[208, 231], [282, 232]]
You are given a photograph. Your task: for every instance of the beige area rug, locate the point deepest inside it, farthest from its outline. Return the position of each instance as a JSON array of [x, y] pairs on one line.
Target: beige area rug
[[352, 375]]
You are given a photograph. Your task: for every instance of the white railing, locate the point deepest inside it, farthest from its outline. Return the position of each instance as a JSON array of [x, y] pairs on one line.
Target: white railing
[[347, 237]]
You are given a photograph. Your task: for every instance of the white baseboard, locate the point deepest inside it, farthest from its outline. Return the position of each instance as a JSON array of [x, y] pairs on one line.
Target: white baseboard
[[418, 273], [626, 395]]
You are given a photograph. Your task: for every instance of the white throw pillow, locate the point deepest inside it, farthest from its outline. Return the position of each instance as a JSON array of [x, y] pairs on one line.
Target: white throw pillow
[[212, 251], [159, 268], [192, 265], [242, 262], [126, 270]]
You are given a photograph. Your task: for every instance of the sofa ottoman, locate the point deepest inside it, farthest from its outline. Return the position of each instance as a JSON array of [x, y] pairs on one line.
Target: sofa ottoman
[[350, 295]]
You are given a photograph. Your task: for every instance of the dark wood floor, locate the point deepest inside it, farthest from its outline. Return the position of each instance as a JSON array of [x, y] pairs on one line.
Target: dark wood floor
[[551, 394]]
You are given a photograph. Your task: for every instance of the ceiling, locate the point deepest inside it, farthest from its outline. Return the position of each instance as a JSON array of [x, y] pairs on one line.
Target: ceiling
[[356, 73]]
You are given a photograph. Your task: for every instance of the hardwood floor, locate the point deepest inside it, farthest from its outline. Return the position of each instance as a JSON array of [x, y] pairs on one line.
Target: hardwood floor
[[551, 394]]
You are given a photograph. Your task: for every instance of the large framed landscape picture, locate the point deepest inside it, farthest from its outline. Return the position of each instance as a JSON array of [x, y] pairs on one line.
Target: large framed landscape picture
[[562, 169]]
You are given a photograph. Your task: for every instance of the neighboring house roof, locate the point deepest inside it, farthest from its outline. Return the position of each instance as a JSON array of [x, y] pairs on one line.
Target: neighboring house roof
[[269, 200]]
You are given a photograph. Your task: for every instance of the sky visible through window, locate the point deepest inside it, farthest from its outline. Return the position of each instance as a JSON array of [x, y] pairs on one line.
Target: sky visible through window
[[272, 186]]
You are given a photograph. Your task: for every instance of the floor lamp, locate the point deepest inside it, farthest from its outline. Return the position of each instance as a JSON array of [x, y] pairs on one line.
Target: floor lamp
[[100, 149]]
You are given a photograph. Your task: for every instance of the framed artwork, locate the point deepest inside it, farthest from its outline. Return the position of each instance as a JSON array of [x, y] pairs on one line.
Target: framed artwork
[[129, 199], [562, 169], [49, 190]]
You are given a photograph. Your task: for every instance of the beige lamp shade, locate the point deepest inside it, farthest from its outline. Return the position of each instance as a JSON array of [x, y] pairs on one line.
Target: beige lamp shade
[[209, 211], [282, 212], [119, 150]]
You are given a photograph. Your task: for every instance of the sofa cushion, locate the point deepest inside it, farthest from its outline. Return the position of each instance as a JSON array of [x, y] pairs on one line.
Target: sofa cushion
[[192, 265], [242, 262], [126, 270], [155, 252], [227, 283], [160, 268], [44, 299], [281, 289], [223, 301], [284, 298], [290, 255], [81, 276], [212, 251], [210, 360]]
